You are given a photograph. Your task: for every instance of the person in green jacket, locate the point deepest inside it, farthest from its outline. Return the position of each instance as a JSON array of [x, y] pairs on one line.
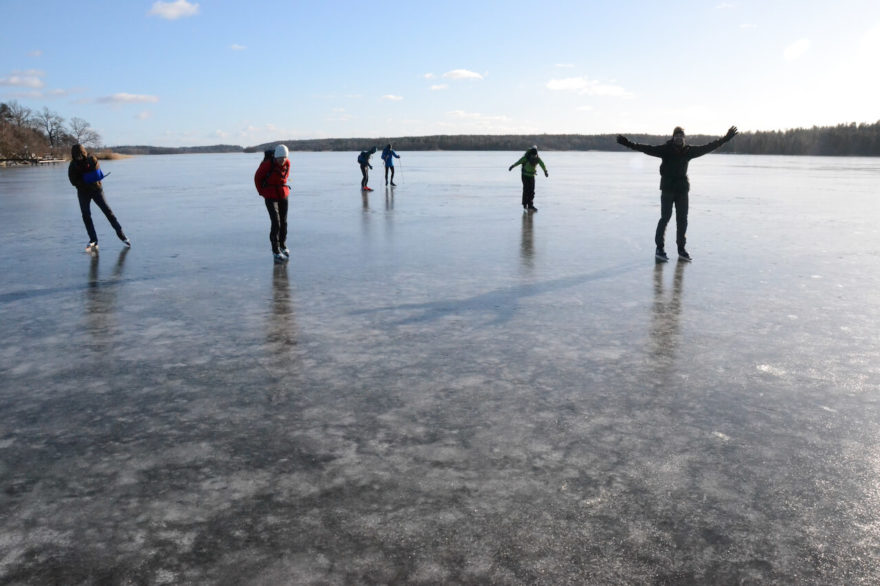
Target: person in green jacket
[[529, 162]]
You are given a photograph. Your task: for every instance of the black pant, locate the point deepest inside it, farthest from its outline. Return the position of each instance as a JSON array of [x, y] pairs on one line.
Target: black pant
[[366, 175], [386, 173], [667, 200], [85, 200], [528, 190], [277, 209]]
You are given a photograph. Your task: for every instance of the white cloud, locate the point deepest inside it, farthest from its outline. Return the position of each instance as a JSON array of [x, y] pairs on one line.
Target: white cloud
[[462, 74], [588, 87], [124, 98], [174, 10], [429, 76], [796, 50], [439, 86], [143, 115], [392, 97], [564, 65], [462, 115], [28, 79], [237, 47], [463, 122], [870, 42]]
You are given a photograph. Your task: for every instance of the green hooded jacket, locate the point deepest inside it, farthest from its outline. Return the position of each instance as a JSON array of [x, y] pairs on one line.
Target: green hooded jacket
[[530, 165]]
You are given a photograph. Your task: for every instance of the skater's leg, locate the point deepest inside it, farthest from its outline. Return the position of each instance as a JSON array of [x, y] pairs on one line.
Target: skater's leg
[[102, 203], [283, 205], [681, 220], [666, 199], [85, 202], [272, 208], [528, 194]]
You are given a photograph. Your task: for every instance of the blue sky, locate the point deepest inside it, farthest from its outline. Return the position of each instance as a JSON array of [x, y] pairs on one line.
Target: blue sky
[[189, 72]]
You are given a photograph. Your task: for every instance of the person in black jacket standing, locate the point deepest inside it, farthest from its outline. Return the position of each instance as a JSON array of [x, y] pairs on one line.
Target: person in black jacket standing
[[83, 174], [674, 184]]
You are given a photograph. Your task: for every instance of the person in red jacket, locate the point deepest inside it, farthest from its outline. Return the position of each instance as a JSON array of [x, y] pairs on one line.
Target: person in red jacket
[[271, 181]]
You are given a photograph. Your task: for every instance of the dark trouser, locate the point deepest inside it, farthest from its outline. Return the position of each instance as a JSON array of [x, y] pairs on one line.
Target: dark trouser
[[277, 209], [528, 190], [680, 200], [85, 200], [366, 175], [386, 173]]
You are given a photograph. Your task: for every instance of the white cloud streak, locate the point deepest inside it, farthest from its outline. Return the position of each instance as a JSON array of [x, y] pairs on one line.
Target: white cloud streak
[[174, 10], [28, 79], [462, 74], [588, 87], [462, 115], [796, 50], [438, 87], [237, 47], [392, 97], [124, 98]]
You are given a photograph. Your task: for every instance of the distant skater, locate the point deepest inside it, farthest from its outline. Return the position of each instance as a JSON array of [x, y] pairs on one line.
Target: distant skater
[[364, 162], [271, 181], [529, 162], [674, 184], [85, 174], [388, 155]]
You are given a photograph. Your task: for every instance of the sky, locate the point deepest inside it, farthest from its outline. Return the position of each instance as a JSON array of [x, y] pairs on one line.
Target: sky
[[203, 72]]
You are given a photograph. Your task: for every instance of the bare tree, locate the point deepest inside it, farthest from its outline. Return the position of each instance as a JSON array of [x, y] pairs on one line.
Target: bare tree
[[82, 133], [51, 124], [17, 115]]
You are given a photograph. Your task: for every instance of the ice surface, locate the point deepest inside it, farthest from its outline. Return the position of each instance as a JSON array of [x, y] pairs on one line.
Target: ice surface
[[438, 388]]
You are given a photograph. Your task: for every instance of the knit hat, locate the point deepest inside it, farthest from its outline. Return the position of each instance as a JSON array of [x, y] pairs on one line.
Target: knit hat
[[281, 152]]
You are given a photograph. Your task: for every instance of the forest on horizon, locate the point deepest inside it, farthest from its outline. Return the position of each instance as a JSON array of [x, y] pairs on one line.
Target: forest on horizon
[[841, 140], [26, 135]]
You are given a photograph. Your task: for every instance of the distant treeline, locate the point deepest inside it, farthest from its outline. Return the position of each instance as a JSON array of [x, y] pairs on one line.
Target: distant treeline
[[842, 140], [153, 150]]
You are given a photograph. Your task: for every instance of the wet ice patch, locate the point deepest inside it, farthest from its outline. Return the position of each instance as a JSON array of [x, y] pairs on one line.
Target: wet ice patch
[[770, 369], [722, 436]]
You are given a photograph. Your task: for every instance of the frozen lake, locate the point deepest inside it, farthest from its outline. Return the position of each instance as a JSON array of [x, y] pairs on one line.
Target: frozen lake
[[438, 388]]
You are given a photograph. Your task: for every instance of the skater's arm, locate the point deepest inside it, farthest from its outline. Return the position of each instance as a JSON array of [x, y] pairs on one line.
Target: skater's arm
[[699, 151], [520, 162], [543, 166], [654, 151]]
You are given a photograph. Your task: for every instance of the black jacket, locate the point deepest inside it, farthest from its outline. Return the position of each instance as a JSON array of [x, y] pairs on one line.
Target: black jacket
[[77, 169], [674, 165]]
